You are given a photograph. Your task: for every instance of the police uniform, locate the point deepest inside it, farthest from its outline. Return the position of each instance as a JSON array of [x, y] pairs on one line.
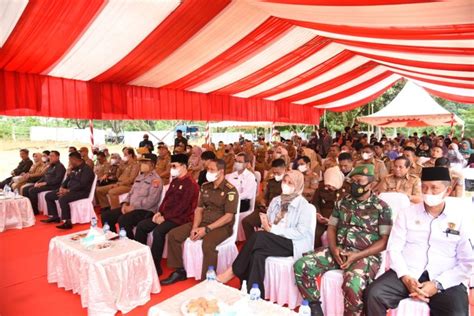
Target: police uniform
[[324, 201], [409, 184], [311, 183], [359, 224], [428, 248], [126, 177], [215, 203], [272, 190]]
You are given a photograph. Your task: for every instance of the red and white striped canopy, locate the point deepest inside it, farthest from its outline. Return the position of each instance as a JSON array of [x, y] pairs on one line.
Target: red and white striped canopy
[[256, 60]]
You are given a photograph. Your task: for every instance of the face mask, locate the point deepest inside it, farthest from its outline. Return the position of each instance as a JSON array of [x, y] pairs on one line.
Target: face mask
[[113, 161], [357, 190], [286, 189], [434, 199], [144, 168], [366, 156], [302, 168], [277, 156], [125, 158], [238, 166], [278, 177], [211, 177], [451, 152], [174, 172], [44, 159]]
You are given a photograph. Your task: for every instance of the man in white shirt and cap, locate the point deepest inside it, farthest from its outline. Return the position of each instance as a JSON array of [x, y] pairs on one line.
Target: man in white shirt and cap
[[430, 251], [244, 181]]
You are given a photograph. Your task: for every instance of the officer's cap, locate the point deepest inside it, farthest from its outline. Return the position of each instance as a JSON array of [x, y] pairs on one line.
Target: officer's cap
[[148, 157]]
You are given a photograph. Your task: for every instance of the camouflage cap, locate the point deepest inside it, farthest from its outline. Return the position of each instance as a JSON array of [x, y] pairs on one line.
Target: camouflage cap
[[364, 170]]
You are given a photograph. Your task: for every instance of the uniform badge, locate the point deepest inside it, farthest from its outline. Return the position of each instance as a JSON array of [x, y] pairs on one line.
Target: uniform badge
[[231, 197], [451, 225], [222, 193], [181, 187], [156, 183], [365, 171]]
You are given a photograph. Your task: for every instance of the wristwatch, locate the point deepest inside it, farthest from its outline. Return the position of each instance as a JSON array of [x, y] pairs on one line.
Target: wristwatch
[[438, 285], [207, 229]]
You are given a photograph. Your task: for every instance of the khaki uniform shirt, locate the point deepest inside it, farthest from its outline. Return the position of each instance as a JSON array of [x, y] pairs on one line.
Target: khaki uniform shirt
[[272, 189], [89, 162], [409, 184], [101, 169], [128, 172], [216, 202], [311, 183], [229, 163], [163, 167], [38, 169]]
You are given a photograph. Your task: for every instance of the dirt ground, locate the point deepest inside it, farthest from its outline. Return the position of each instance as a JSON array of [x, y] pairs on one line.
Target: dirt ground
[[10, 157]]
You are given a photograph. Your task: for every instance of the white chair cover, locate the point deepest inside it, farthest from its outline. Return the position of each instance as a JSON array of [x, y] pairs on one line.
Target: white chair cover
[[332, 298], [82, 211], [42, 206], [227, 252], [280, 285], [396, 200], [411, 307], [240, 230]]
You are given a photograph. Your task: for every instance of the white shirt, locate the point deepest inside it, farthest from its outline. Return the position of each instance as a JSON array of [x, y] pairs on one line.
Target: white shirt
[[419, 242], [245, 183]]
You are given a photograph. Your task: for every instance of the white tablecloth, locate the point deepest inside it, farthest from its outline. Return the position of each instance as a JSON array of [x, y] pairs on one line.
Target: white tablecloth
[[15, 213], [117, 278], [227, 294]]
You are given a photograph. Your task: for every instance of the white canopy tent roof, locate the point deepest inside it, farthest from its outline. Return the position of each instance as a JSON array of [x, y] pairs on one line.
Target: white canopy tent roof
[[412, 107]]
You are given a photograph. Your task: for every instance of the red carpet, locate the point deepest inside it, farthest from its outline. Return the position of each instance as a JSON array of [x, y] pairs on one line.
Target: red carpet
[[24, 289]]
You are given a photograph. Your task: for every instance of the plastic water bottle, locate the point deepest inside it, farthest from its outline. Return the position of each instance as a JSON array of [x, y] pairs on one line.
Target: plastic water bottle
[[16, 194], [304, 309], [255, 293], [122, 233], [106, 228], [211, 274], [93, 222], [7, 190], [243, 290]]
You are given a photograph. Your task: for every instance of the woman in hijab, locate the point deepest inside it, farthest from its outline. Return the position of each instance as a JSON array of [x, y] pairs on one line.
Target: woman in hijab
[[286, 231], [195, 164], [455, 157], [465, 149]]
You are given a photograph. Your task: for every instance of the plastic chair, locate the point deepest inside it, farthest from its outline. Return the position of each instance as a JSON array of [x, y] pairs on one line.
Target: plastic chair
[[227, 252], [411, 307], [280, 285], [42, 206], [241, 232], [82, 211]]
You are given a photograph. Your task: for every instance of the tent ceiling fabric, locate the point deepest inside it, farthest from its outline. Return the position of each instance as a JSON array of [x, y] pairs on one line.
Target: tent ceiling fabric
[[111, 59], [412, 107]]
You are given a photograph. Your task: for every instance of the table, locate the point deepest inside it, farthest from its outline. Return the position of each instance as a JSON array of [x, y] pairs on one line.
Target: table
[[227, 294], [15, 213], [117, 278]]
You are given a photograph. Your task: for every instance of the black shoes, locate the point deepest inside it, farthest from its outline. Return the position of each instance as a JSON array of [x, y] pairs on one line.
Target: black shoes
[[51, 220], [66, 225], [176, 276], [316, 309]]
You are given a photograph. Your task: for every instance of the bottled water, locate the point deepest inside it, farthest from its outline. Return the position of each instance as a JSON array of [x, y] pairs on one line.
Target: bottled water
[[211, 274], [7, 190], [16, 194], [122, 233], [255, 293], [243, 290], [94, 222], [304, 309], [106, 228]]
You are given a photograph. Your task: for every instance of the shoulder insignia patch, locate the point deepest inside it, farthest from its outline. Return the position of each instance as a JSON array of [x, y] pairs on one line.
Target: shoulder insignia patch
[[231, 196], [156, 183]]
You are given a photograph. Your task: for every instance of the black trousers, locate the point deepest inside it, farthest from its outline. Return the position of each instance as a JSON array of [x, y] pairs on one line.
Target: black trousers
[[159, 237], [111, 217], [387, 291], [5, 182], [131, 219], [52, 197], [250, 263], [32, 193]]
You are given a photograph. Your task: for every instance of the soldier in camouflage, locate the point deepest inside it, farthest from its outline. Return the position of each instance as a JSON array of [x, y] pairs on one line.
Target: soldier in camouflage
[[358, 231]]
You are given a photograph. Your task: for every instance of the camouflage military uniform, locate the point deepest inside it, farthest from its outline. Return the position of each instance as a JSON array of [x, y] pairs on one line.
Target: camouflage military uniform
[[359, 224]]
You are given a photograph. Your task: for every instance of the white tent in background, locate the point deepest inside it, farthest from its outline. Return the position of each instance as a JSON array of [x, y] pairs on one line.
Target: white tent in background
[[412, 107], [243, 124]]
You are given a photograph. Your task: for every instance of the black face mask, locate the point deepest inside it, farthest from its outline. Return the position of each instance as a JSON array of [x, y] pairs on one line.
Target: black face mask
[[357, 190]]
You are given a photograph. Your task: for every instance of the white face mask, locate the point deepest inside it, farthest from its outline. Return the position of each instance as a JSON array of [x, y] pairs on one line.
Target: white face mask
[[113, 161], [211, 177], [303, 168], [125, 158], [286, 189], [278, 177], [174, 172], [434, 199], [238, 166], [366, 156], [44, 159], [277, 156]]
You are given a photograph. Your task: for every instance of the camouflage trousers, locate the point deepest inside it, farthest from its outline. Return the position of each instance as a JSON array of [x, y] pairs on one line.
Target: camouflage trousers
[[356, 277]]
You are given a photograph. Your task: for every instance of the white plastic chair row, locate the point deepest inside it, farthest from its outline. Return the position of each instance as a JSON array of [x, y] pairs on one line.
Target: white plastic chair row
[[241, 232]]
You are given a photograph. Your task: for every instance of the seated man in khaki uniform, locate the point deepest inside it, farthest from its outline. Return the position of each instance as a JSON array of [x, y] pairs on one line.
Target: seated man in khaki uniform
[[37, 170], [84, 151], [415, 167], [213, 221], [163, 165], [401, 181], [311, 179], [368, 157], [127, 173]]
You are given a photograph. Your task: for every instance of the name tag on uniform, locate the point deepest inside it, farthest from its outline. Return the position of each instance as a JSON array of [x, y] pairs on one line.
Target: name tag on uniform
[[451, 231]]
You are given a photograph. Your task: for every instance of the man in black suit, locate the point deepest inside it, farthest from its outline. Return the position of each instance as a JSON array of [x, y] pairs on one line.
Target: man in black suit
[[77, 186], [51, 180], [23, 167]]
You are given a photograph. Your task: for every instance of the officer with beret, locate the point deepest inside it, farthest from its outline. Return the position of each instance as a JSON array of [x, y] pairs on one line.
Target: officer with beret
[[358, 231], [430, 251]]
